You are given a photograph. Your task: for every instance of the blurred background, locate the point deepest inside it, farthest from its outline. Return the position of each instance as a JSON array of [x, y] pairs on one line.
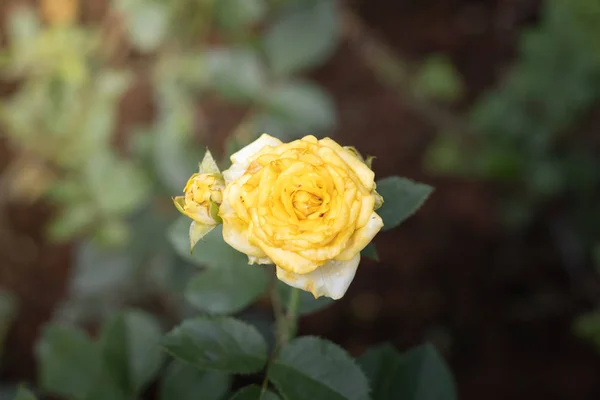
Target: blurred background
[[106, 108]]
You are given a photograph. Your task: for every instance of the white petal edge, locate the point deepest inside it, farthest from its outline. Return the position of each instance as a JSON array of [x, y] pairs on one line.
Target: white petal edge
[[240, 161], [331, 280], [240, 242]]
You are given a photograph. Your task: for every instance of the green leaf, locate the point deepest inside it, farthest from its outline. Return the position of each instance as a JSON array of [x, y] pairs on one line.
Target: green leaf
[[228, 289], [174, 155], [307, 304], [402, 198], [310, 368], [439, 79], [237, 14], [71, 365], [237, 74], [304, 36], [446, 156], [130, 345], [211, 251], [23, 27], [72, 220], [147, 25], [184, 382], [419, 374], [370, 252], [299, 107], [24, 394], [8, 311], [254, 392], [218, 344], [197, 232]]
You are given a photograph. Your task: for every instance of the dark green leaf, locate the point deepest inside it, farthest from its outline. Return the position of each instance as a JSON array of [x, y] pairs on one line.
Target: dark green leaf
[[8, 310], [130, 345], [307, 302], [402, 198], [24, 394], [237, 14], [71, 365], [439, 79], [370, 252], [254, 392], [419, 374], [228, 289], [184, 382], [303, 37], [299, 107], [210, 251], [218, 344], [237, 74], [310, 368]]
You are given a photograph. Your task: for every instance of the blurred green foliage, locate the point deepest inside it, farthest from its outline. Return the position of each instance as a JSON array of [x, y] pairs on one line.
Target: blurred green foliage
[[524, 126]]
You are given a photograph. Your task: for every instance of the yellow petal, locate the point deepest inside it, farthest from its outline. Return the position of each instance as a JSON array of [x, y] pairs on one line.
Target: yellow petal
[[363, 172], [244, 155], [331, 280], [237, 238], [362, 237]]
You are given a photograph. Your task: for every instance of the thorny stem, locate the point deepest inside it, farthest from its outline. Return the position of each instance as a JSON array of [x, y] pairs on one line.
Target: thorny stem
[[285, 322]]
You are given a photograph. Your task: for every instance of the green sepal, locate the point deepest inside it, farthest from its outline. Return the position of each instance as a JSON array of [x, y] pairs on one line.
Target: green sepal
[[214, 212], [179, 201], [369, 161], [208, 164], [378, 200], [197, 232]]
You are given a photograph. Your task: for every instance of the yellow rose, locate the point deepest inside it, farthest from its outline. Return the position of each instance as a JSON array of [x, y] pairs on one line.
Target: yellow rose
[[307, 206], [203, 194]]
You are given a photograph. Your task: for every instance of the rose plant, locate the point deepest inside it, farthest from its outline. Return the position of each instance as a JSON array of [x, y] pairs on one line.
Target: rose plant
[[309, 207]]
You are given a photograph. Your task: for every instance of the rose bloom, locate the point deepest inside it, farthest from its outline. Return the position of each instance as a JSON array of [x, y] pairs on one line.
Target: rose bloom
[[305, 206], [203, 194]]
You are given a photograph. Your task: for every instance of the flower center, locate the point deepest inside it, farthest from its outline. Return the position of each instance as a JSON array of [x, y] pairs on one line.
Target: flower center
[[305, 203]]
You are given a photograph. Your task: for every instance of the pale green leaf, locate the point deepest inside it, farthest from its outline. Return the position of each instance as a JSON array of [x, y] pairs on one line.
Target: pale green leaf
[[304, 36], [184, 382], [218, 344], [402, 198], [228, 289], [147, 25], [310, 368]]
